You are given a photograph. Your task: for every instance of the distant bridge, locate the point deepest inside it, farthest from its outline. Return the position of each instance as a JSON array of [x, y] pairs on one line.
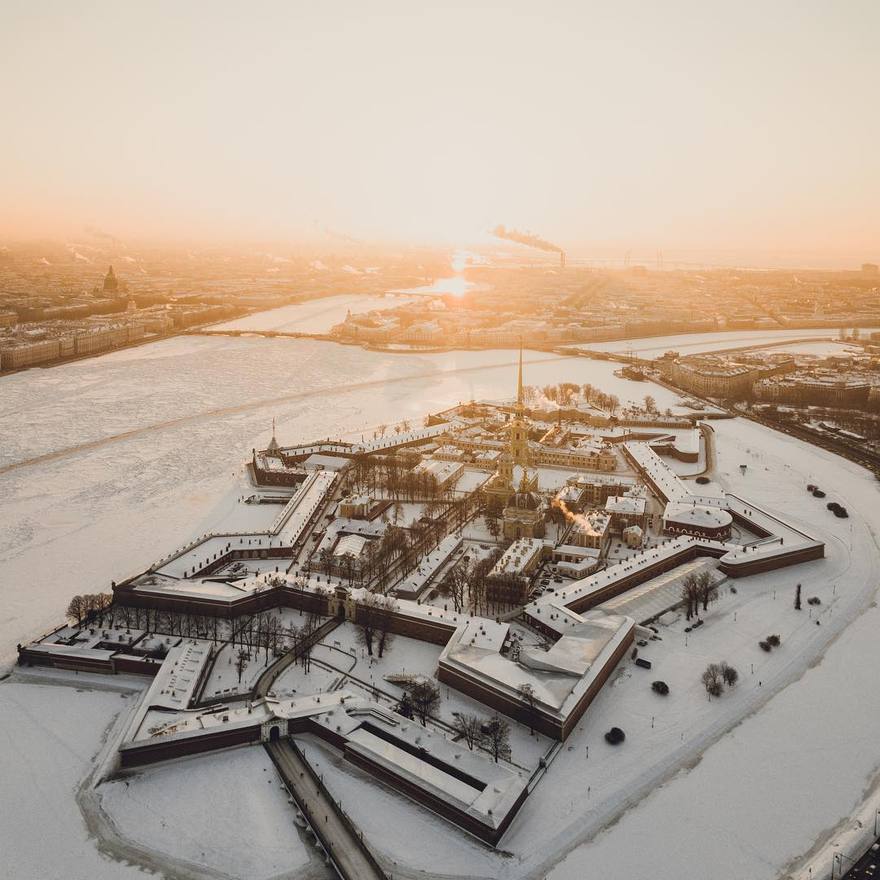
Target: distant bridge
[[267, 334]]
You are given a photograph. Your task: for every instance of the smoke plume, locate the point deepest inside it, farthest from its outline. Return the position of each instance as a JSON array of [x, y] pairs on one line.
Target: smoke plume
[[526, 238], [584, 521]]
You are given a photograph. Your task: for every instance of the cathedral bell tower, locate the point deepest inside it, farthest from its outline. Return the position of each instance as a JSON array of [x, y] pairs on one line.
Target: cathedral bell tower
[[519, 434]]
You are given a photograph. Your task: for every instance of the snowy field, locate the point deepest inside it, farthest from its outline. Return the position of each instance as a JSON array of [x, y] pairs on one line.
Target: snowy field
[[818, 349], [695, 343], [314, 316], [116, 459], [791, 773], [226, 811]]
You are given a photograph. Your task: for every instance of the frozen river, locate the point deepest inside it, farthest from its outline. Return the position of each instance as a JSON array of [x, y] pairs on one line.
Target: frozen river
[[106, 463], [316, 315]]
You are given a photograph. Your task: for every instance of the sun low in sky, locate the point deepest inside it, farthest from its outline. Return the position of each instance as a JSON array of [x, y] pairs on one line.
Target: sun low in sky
[[681, 124]]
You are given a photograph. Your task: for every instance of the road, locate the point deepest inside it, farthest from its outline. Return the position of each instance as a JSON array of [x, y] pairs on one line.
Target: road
[[349, 855]]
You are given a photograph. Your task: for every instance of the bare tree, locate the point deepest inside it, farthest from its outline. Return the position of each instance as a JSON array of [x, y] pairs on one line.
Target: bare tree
[[405, 706], [384, 613], [76, 610], [690, 594], [456, 582], [102, 604], [712, 678], [366, 619], [729, 674], [241, 659], [496, 737], [468, 728], [707, 591], [425, 696], [91, 605]]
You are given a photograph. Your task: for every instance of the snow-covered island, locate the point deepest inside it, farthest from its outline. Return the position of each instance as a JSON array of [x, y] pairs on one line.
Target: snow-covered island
[[510, 613]]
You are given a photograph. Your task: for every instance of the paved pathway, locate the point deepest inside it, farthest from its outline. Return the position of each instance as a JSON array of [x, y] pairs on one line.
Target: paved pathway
[[348, 854], [267, 679]]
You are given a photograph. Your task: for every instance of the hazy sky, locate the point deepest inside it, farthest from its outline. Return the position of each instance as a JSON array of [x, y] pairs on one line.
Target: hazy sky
[[647, 124]]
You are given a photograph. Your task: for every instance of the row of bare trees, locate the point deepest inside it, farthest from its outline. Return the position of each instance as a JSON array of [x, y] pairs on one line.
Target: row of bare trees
[[91, 608], [396, 475], [698, 589], [262, 631], [610, 403], [492, 735], [401, 550], [421, 699], [266, 631], [400, 428], [374, 619], [471, 586]]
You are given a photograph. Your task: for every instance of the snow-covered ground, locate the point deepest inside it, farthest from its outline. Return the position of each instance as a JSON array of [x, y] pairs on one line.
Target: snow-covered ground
[[227, 811], [820, 349], [405, 656], [748, 783], [790, 773], [316, 315], [141, 443]]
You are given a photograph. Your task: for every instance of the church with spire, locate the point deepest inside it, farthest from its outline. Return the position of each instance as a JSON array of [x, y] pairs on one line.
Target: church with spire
[[273, 448], [515, 472], [517, 481]]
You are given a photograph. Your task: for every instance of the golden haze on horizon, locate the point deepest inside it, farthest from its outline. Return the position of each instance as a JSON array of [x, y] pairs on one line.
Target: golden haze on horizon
[[680, 126]]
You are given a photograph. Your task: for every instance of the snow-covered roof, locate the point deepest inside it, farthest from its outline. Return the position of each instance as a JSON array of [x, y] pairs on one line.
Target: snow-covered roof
[[325, 462], [416, 581], [442, 471], [696, 515], [518, 555], [626, 504], [350, 545], [558, 677]]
